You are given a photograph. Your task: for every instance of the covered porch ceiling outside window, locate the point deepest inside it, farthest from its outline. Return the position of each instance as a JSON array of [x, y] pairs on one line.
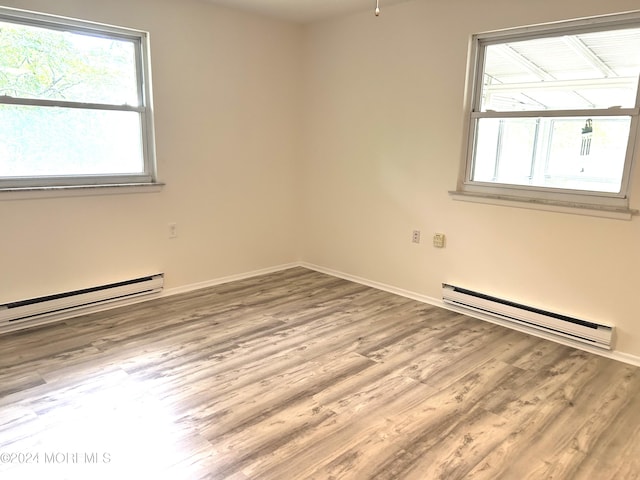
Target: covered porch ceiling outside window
[[581, 71]]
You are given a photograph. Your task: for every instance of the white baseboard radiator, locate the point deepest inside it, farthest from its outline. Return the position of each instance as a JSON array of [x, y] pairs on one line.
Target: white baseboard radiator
[[594, 334], [41, 310]]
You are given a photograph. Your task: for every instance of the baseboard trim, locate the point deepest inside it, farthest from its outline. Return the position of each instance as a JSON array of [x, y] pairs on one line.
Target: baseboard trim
[[111, 304], [370, 283], [437, 302], [229, 278]]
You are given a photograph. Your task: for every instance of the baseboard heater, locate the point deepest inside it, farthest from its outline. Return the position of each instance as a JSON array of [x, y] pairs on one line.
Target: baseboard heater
[[594, 334], [40, 310]]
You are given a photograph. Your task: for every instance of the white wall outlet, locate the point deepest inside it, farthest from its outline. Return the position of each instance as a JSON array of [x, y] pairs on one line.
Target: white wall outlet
[[438, 240], [415, 236], [173, 230]]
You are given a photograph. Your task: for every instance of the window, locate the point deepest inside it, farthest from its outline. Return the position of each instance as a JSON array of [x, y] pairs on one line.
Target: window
[[74, 103], [553, 113]]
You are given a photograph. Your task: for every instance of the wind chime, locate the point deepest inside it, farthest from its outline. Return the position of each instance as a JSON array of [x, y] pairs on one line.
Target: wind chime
[[377, 8], [587, 133], [585, 144]]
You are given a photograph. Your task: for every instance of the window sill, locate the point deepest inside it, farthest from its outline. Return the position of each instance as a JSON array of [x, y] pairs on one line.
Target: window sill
[[603, 211], [19, 193]]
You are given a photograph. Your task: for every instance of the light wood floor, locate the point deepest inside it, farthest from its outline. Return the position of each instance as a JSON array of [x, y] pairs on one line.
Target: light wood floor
[[299, 375]]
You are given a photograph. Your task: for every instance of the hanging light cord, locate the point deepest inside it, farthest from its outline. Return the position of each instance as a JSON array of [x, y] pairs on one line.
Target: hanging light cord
[[377, 8]]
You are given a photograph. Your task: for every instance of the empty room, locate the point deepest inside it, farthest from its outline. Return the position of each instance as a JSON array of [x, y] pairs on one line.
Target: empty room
[[319, 239]]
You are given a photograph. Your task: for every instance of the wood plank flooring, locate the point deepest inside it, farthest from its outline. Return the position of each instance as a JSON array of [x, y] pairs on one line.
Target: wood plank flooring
[[299, 375]]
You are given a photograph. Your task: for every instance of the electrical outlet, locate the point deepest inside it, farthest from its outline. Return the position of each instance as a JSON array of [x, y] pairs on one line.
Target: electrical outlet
[[415, 237], [438, 240], [173, 230]]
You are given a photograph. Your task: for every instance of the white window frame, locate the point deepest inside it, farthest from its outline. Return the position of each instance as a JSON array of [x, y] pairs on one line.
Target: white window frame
[[140, 40], [547, 198]]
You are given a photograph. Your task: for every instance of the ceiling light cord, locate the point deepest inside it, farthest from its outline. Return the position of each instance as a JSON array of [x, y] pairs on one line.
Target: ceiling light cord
[[377, 8]]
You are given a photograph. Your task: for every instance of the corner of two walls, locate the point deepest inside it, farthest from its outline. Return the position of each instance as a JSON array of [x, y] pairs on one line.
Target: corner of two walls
[[334, 163]]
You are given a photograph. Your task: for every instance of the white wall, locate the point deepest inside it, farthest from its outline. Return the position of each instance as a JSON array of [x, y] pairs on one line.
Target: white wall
[[226, 88], [328, 144], [383, 142]]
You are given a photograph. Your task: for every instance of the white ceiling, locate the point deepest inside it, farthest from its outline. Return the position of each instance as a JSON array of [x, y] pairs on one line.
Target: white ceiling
[[306, 11]]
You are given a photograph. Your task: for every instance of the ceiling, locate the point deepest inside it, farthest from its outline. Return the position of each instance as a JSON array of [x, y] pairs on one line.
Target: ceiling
[[305, 11]]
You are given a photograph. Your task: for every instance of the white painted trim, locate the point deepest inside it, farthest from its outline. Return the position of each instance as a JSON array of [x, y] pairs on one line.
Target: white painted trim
[[27, 193], [437, 302], [227, 279], [562, 200], [618, 213], [370, 283]]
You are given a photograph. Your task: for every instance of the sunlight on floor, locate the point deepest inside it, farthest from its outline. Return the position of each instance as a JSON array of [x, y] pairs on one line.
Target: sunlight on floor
[[110, 427]]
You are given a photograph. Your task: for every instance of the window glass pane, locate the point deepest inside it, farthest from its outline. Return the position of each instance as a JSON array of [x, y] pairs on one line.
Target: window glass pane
[[504, 150], [589, 161], [44, 141], [583, 71], [56, 65], [568, 153]]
